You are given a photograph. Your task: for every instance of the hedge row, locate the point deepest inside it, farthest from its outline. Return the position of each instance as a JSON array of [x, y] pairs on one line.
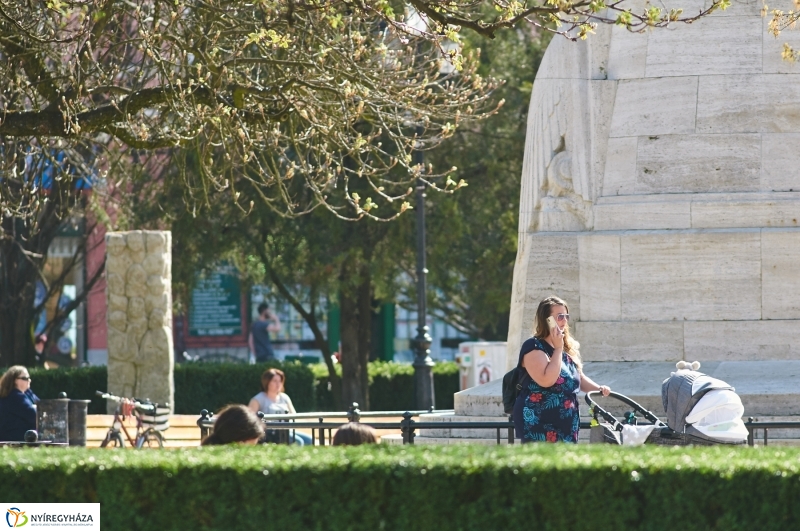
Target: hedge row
[[543, 487], [391, 386], [197, 385], [77, 383], [211, 386]]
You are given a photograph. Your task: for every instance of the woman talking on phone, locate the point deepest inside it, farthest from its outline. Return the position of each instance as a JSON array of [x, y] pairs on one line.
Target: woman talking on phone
[[547, 406]]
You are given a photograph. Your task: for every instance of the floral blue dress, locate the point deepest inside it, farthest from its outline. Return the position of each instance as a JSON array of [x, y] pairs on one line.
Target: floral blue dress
[[548, 413]]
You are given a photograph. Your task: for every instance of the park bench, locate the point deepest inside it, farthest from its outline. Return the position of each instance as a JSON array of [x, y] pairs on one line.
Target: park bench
[[182, 430]]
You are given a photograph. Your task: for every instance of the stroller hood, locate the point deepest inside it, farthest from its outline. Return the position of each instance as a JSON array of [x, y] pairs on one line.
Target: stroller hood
[[682, 391], [718, 416]]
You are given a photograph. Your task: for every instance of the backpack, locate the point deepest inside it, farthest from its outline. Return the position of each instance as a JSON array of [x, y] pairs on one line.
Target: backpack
[[517, 379], [511, 389]]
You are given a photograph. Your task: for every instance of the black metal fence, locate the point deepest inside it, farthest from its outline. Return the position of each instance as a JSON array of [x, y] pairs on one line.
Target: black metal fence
[[320, 423], [753, 425], [323, 422]]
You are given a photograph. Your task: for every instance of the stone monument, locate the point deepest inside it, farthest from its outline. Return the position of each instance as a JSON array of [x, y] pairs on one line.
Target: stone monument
[[660, 193], [660, 198], [138, 279]]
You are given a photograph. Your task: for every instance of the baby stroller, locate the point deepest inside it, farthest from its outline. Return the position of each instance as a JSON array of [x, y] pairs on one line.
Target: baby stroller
[[700, 410]]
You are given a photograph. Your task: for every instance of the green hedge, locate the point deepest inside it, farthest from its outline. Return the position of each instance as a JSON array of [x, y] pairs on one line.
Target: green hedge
[[197, 385], [543, 487], [77, 383], [391, 386], [211, 385]]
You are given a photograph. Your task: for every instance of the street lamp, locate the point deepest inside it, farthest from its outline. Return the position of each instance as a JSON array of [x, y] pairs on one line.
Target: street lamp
[[423, 364]]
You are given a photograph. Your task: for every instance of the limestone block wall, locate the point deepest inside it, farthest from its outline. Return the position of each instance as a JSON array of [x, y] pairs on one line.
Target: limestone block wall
[[138, 279], [707, 295], [688, 240]]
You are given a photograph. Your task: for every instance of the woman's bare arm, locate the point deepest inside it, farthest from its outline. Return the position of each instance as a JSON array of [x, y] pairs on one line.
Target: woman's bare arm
[[544, 371], [587, 385]]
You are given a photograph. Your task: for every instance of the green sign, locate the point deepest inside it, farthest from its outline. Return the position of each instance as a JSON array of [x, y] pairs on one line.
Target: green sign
[[216, 308]]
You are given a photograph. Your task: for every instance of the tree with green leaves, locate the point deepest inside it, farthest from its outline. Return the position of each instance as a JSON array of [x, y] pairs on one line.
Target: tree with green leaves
[[321, 92], [305, 105], [472, 234], [294, 105]]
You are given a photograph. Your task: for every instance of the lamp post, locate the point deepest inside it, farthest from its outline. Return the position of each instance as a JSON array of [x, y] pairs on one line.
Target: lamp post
[[424, 397], [423, 364]]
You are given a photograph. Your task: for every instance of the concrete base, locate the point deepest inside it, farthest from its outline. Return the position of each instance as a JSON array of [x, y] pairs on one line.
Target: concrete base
[[398, 439], [444, 432], [768, 390], [481, 401]]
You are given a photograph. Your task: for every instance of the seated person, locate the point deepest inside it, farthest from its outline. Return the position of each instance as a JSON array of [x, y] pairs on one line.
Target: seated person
[[273, 401], [235, 424], [17, 409], [354, 434]]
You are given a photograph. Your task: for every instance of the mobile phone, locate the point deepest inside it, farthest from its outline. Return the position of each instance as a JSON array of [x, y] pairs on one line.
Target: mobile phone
[[551, 322]]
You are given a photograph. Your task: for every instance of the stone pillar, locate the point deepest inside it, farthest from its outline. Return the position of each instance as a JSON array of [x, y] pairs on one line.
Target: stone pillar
[[138, 278]]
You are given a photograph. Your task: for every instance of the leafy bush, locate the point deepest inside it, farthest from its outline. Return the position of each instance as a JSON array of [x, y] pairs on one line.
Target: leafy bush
[[391, 386], [197, 385], [213, 385], [547, 487], [77, 383]]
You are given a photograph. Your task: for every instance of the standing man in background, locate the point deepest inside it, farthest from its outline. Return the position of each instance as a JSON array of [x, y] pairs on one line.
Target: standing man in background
[[260, 345]]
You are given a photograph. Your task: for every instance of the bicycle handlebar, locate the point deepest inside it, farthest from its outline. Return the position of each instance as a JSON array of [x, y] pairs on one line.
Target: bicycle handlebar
[[147, 407]]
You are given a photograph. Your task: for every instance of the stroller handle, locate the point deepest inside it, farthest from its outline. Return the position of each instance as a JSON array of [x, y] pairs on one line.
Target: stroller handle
[[616, 424]]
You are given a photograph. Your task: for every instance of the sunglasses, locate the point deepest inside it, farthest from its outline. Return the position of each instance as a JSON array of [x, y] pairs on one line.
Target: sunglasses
[[562, 317], [26, 378]]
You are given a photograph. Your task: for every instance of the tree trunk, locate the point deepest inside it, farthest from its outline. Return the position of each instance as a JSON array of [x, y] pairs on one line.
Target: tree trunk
[[18, 274], [310, 319], [24, 243], [351, 370], [355, 331], [364, 293], [16, 316]]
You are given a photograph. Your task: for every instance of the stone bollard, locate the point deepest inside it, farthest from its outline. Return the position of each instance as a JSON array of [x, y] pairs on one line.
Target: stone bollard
[[53, 415], [77, 412]]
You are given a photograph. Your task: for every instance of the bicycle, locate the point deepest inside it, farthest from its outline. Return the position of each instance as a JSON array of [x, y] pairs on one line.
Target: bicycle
[[151, 420]]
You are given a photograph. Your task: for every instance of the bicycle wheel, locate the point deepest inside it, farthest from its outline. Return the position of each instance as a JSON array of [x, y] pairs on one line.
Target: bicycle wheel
[[113, 440], [150, 438]]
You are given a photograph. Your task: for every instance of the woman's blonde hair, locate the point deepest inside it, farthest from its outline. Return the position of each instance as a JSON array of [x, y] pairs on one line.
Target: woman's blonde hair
[[542, 330], [9, 379]]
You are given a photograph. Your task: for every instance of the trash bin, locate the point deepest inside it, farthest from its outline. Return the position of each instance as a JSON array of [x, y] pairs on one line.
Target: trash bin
[[78, 410], [53, 420]]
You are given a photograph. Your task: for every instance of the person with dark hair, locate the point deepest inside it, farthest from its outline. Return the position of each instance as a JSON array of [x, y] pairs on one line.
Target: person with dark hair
[[260, 344], [39, 344], [235, 424], [547, 405], [17, 409], [272, 400], [354, 434]]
